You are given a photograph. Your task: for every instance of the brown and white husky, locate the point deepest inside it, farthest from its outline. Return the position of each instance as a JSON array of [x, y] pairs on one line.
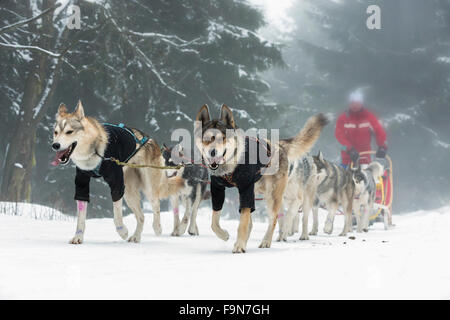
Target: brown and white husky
[[86, 142], [224, 153]]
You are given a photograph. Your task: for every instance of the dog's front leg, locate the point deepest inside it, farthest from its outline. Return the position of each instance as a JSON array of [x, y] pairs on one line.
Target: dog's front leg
[[243, 231], [215, 226], [81, 223], [118, 220]]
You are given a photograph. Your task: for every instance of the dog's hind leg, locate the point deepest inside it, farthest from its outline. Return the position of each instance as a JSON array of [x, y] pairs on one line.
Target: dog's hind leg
[[333, 207], [286, 225], [185, 221], [315, 228], [306, 210], [243, 231], [348, 208], [295, 223], [174, 200], [215, 226], [274, 204], [118, 219], [153, 198], [133, 200], [193, 228], [360, 217]]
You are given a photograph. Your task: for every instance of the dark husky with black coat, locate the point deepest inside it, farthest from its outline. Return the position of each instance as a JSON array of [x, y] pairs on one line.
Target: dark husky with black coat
[[225, 151], [193, 192]]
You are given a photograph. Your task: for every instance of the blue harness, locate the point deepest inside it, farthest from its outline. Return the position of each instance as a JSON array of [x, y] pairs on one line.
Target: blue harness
[[122, 126]]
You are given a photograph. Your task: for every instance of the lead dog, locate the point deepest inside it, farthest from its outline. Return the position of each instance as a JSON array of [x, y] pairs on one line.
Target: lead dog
[[89, 143], [226, 151]]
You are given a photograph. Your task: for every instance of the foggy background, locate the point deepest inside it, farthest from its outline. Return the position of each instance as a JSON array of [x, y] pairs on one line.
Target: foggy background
[[152, 64]]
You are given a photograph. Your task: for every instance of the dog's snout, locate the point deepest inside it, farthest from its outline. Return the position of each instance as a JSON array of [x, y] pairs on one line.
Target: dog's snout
[[56, 146], [213, 152]]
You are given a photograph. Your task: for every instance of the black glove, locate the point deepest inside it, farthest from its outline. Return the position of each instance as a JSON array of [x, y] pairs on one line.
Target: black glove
[[381, 153], [354, 155]]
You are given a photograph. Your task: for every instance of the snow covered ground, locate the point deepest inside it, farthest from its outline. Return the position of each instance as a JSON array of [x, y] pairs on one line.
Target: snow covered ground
[[410, 261]]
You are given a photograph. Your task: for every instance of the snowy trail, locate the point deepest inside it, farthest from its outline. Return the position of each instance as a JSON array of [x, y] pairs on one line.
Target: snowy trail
[[410, 261]]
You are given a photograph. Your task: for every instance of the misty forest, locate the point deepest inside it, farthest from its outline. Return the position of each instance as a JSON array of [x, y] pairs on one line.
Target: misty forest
[[153, 64]]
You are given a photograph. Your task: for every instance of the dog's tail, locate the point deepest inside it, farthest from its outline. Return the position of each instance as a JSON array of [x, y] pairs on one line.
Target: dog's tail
[[376, 169], [303, 142]]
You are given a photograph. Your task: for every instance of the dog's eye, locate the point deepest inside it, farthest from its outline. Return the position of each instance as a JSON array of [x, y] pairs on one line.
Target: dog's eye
[[69, 132], [56, 133]]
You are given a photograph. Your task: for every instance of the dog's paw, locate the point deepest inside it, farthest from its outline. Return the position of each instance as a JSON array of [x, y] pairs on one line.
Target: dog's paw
[[175, 233], [193, 231], [78, 239], [123, 232], [182, 227], [304, 237], [157, 228], [313, 233], [239, 247], [265, 244], [343, 234], [135, 239], [328, 229], [366, 230], [223, 234]]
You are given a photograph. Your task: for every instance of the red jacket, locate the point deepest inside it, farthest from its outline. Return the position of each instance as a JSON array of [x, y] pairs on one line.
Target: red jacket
[[354, 129]]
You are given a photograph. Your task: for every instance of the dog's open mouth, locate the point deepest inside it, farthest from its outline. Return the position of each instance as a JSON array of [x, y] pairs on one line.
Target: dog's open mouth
[[213, 163], [63, 156]]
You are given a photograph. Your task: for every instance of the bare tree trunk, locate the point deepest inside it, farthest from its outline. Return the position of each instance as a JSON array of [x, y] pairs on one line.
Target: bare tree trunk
[[40, 85]]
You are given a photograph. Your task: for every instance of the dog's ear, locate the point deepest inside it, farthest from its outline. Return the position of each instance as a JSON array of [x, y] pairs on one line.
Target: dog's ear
[[79, 111], [62, 110], [226, 115], [320, 156], [203, 115]]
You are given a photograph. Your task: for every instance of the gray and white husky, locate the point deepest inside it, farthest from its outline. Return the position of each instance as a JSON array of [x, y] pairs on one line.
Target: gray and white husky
[[335, 187], [365, 193], [300, 191], [191, 195]]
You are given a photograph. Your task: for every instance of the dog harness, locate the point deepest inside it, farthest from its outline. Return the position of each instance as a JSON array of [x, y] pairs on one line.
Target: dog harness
[[243, 177], [121, 145]]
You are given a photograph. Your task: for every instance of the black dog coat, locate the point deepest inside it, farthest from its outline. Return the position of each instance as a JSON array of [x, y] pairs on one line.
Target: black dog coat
[[243, 177], [121, 145]]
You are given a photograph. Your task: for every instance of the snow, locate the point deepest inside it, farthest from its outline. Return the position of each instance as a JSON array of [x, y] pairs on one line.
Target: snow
[[409, 261]]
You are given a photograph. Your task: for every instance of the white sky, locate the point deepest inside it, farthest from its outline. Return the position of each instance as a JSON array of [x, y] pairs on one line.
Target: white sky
[[276, 13]]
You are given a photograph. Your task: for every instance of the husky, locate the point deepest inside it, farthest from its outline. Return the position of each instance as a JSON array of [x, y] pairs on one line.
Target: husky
[[365, 193], [196, 181], [226, 152], [89, 145], [301, 191], [335, 187]]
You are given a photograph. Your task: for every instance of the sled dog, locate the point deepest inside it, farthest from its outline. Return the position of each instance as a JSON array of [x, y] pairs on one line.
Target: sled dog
[[226, 152], [300, 192], [191, 195], [365, 192], [335, 187], [89, 144]]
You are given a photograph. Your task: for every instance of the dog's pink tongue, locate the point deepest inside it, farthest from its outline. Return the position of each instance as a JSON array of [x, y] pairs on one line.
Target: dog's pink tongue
[[56, 160]]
